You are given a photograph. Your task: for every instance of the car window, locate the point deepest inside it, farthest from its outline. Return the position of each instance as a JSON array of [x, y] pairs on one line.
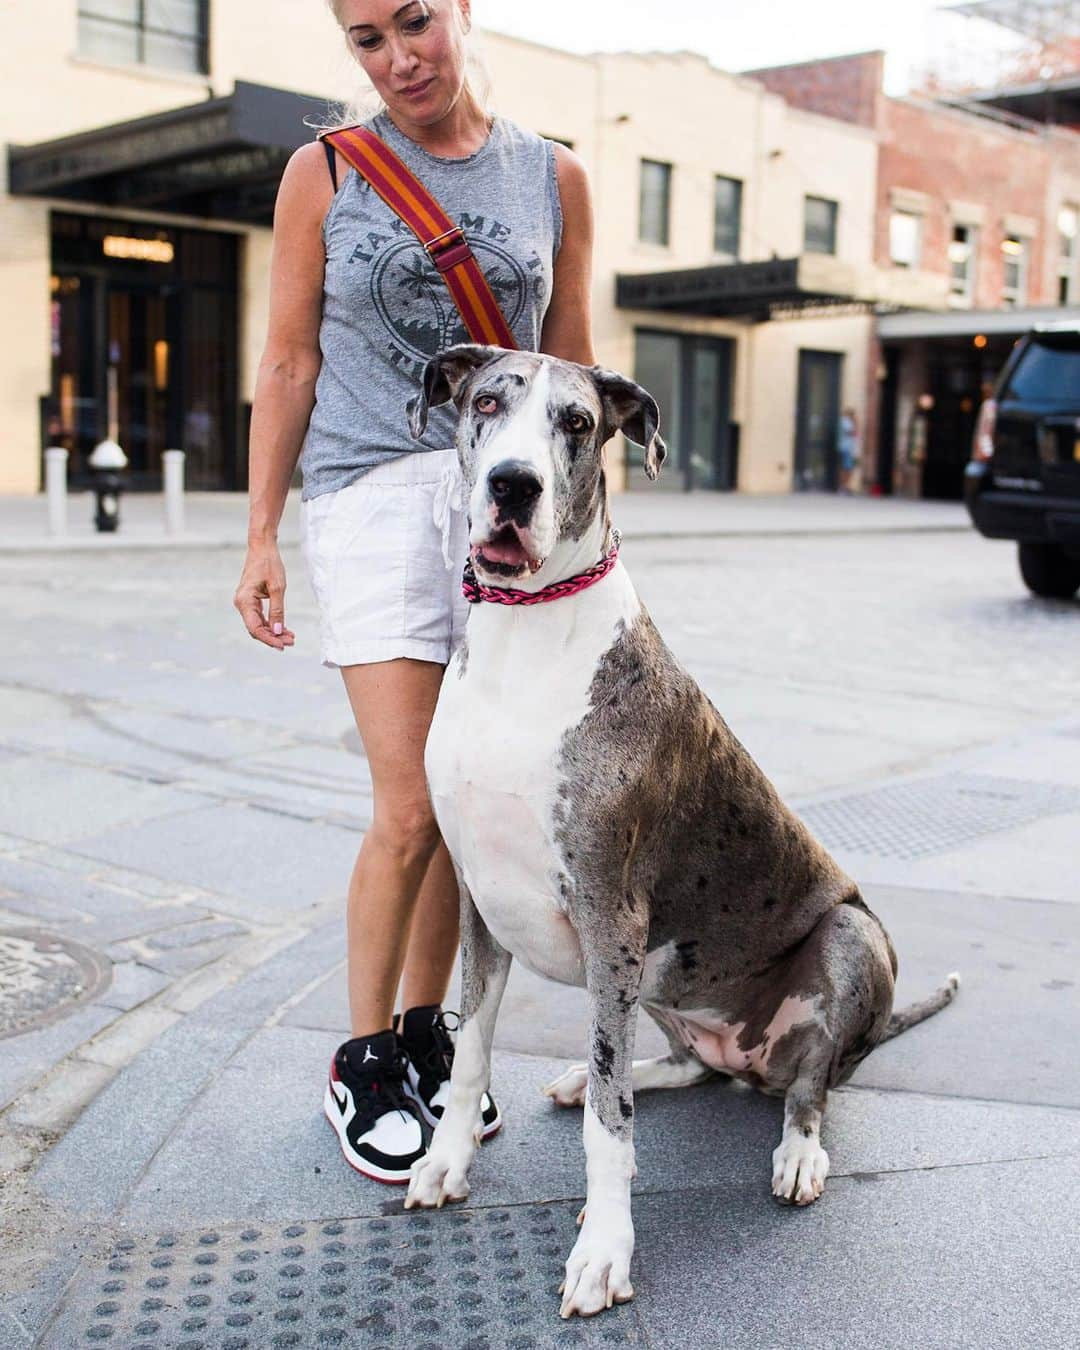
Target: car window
[[1047, 373]]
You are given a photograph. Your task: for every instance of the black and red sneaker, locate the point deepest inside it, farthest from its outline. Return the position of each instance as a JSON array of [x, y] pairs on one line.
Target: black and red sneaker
[[425, 1040], [366, 1102]]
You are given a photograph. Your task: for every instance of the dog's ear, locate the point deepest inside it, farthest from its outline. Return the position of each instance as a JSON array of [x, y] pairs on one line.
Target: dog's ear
[[444, 378], [632, 410]]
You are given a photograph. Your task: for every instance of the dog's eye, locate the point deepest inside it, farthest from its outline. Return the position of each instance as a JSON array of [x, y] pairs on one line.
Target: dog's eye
[[578, 423], [484, 403]]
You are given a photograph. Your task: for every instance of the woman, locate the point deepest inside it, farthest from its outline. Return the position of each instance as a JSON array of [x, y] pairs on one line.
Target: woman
[[355, 311]]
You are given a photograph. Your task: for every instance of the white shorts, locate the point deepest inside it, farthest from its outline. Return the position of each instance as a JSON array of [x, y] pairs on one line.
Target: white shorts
[[385, 556]]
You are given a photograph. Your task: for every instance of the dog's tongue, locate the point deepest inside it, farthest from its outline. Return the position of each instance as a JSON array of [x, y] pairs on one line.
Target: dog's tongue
[[505, 549]]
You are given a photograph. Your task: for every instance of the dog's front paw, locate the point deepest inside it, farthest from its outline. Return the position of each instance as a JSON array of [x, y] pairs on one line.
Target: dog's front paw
[[597, 1272], [800, 1166], [569, 1088], [437, 1177]]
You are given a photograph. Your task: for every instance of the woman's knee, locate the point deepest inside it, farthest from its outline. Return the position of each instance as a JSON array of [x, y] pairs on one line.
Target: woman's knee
[[406, 829]]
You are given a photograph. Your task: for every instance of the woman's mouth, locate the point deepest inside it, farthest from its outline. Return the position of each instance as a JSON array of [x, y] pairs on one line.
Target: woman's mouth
[[417, 90]]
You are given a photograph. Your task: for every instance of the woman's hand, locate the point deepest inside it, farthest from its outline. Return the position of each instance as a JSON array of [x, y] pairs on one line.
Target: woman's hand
[[263, 578]]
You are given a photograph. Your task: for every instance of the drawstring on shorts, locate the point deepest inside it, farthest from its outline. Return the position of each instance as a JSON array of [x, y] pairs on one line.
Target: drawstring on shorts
[[448, 499]]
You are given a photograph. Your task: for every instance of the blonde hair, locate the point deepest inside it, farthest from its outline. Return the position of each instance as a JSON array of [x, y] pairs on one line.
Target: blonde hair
[[366, 103]]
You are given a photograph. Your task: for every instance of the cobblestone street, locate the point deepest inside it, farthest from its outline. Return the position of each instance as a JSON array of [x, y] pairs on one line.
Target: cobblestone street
[[182, 807]]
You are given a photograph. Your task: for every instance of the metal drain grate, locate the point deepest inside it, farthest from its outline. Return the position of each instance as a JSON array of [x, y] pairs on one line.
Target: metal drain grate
[[459, 1280], [933, 815], [42, 977]]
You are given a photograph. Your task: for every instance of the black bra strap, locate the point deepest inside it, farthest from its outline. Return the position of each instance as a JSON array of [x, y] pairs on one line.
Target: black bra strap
[[331, 160]]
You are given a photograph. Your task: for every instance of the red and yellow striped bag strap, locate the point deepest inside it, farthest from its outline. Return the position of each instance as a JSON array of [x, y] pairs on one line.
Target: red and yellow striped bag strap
[[442, 240]]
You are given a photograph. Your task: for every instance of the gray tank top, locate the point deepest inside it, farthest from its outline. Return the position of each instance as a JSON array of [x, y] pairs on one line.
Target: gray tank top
[[386, 311]]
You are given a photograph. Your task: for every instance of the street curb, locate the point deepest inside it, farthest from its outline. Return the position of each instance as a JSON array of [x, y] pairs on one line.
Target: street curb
[[186, 543]]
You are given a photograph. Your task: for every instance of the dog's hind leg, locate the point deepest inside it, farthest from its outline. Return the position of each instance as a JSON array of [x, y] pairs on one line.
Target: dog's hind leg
[[842, 976], [800, 1164], [679, 1068], [442, 1173]]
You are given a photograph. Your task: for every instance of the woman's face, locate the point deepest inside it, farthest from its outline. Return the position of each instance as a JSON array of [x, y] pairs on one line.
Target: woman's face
[[413, 53]]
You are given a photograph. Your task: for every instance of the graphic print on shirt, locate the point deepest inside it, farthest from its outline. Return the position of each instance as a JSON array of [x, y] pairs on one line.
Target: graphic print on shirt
[[413, 301]]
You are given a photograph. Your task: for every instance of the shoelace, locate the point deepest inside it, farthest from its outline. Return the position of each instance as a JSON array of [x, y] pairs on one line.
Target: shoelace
[[387, 1083], [438, 1060]]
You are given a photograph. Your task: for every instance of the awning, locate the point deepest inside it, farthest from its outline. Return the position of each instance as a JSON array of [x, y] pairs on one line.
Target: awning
[[221, 158], [777, 288], [1056, 101], [971, 322]]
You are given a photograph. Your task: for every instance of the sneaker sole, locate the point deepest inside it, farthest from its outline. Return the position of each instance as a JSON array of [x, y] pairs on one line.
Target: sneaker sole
[[433, 1120], [371, 1170]]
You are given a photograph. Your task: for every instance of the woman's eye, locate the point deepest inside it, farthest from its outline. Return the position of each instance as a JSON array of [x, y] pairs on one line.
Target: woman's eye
[[485, 404], [368, 44], [418, 25]]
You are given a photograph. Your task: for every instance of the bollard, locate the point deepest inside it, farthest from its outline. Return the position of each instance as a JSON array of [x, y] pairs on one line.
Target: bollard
[[173, 465], [56, 460]]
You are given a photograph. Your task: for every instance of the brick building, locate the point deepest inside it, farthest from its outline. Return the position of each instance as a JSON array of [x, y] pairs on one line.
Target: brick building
[[984, 204]]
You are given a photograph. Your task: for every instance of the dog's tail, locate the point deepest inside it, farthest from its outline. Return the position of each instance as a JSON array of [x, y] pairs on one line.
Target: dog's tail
[[919, 1012]]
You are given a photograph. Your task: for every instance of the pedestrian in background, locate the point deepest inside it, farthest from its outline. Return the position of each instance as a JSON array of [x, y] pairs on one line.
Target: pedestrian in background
[[355, 310], [850, 448]]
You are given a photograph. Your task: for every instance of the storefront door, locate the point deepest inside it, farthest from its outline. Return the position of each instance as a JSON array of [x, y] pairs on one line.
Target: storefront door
[[690, 378], [144, 347], [141, 378], [817, 421]]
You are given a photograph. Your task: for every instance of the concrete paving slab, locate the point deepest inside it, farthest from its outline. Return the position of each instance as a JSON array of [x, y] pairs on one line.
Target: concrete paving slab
[[265, 864], [1037, 861], [103, 1155], [55, 803], [1018, 962], [210, 1169], [23, 1059], [23, 709], [132, 984], [945, 1259]]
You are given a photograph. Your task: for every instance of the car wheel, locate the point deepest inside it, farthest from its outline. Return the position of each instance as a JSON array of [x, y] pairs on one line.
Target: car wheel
[[1048, 571]]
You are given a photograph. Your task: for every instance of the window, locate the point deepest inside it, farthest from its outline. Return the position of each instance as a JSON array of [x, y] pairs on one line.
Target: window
[[169, 34], [655, 204], [962, 251], [819, 225], [727, 216], [1068, 223], [1014, 256], [1048, 372], [905, 231]]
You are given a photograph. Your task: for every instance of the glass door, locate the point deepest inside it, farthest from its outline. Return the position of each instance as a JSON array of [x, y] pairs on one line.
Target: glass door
[[141, 380], [817, 421], [690, 378]]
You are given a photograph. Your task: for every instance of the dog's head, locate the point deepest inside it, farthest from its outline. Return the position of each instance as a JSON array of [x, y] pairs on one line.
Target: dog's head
[[530, 437]]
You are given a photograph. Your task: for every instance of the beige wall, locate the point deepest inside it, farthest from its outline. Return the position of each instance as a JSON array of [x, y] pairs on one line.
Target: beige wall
[[616, 110], [24, 338]]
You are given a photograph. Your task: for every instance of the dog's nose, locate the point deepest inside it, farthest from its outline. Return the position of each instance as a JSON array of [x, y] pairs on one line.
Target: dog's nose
[[513, 484]]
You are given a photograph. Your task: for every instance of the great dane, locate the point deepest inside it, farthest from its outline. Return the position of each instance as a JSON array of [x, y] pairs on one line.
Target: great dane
[[607, 828]]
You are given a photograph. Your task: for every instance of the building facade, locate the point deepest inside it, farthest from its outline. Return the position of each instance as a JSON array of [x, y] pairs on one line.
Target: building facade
[[735, 268], [978, 201]]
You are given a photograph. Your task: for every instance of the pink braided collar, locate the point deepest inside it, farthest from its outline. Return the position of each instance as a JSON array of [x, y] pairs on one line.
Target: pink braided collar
[[474, 591]]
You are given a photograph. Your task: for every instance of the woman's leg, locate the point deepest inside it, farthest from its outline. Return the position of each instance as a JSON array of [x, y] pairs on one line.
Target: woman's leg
[[433, 942], [401, 858]]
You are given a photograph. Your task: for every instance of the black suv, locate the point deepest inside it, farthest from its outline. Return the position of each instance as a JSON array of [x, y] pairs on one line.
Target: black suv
[[1023, 480]]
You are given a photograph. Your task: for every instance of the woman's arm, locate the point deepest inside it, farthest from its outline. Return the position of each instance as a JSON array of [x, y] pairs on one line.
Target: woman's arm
[[285, 387], [567, 331]]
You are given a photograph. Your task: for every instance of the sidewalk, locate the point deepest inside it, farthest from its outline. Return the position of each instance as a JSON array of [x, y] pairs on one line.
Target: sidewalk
[[219, 519], [179, 807]]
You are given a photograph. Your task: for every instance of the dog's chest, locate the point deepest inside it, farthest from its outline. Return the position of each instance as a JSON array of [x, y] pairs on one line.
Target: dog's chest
[[493, 765]]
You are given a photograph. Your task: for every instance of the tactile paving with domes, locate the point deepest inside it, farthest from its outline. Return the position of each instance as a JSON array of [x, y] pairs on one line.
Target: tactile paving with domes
[[462, 1279]]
